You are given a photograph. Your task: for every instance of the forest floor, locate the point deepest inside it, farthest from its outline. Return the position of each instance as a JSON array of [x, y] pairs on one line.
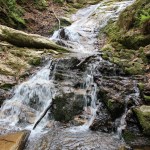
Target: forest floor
[[42, 21]]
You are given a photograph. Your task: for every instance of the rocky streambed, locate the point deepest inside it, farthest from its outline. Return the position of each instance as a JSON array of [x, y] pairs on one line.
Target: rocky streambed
[[78, 100]]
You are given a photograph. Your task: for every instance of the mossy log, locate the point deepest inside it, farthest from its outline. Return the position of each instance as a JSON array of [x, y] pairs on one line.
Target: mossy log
[[22, 39]]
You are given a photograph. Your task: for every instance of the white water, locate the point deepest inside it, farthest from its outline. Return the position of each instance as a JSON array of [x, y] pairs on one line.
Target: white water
[[29, 101], [90, 98], [136, 98], [81, 36]]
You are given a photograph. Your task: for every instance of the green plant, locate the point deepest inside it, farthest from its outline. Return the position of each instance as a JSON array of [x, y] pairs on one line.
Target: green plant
[[143, 16], [59, 1], [12, 12]]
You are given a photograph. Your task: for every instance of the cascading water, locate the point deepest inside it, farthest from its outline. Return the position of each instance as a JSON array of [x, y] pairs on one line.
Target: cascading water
[[81, 36], [91, 94], [32, 97], [90, 97], [29, 100], [136, 98]]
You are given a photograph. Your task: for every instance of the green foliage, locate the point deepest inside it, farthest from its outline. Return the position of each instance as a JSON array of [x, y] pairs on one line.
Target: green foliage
[[40, 4], [59, 1], [12, 12], [143, 16], [128, 37]]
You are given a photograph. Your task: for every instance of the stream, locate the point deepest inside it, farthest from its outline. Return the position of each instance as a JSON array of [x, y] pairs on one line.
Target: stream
[[74, 85]]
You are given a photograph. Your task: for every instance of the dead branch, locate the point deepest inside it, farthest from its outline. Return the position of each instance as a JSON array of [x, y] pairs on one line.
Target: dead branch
[[56, 16], [43, 114]]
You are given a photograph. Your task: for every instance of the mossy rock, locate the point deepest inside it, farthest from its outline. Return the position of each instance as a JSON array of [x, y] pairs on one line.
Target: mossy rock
[[128, 136], [35, 61], [67, 106], [128, 30], [143, 115], [7, 86], [115, 108], [141, 86], [134, 41], [132, 15], [134, 68], [147, 99], [65, 21]]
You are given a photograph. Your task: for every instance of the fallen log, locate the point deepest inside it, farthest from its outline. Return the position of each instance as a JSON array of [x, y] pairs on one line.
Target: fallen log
[[22, 39]]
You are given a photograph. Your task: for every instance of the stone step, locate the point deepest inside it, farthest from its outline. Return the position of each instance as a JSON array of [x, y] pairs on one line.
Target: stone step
[[14, 141]]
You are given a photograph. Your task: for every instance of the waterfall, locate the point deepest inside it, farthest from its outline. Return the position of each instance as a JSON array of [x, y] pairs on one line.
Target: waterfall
[[91, 89], [33, 96], [30, 100]]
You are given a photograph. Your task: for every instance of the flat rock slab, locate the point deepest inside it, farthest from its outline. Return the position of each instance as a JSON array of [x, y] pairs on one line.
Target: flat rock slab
[[14, 141]]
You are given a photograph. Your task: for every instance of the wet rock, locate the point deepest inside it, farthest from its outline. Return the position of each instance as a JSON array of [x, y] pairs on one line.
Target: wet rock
[[115, 105], [116, 93], [103, 121], [79, 120], [66, 70], [57, 139], [6, 83], [64, 21], [4, 95], [145, 91], [132, 134], [66, 106], [143, 115], [14, 141], [109, 69], [19, 113], [63, 34]]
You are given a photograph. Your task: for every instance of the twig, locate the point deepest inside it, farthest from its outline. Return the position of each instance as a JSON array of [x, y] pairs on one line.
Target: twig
[[84, 60], [56, 16]]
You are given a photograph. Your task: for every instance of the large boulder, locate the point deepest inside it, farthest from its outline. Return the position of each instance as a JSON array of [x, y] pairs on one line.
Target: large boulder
[[67, 106], [14, 141], [117, 93], [102, 121]]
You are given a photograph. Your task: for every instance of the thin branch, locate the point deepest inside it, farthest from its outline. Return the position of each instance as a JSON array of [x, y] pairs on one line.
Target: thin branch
[[56, 16], [42, 116]]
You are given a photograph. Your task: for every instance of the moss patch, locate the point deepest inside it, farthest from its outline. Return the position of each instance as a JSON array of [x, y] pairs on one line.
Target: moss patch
[[15, 61], [147, 98], [143, 116], [128, 136], [127, 44]]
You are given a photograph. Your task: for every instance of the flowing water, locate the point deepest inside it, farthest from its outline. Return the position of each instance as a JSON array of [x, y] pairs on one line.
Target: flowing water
[[29, 100], [32, 97]]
